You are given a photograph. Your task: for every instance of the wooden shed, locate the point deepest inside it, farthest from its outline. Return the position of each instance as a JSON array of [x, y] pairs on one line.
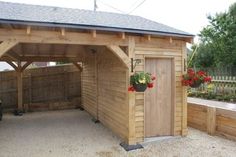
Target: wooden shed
[[108, 46]]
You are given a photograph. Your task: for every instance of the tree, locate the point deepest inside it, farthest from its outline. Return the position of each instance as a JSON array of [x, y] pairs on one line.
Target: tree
[[217, 46]]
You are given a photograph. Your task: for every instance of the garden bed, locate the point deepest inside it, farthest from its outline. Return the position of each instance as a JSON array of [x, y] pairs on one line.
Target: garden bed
[[214, 117]]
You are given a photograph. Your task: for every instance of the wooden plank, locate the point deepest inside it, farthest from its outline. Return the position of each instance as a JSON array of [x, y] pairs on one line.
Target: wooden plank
[[20, 88], [52, 37], [6, 45], [211, 120], [120, 54], [159, 107], [78, 66], [25, 66], [184, 92], [13, 65], [28, 30], [131, 103]]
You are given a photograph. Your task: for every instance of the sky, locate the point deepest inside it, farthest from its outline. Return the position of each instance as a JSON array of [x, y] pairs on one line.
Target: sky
[[186, 15]]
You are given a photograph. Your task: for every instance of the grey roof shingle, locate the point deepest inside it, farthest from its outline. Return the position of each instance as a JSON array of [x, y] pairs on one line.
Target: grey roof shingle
[[83, 18]]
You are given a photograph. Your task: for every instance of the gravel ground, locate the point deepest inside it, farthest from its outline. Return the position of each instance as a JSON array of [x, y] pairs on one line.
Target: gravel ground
[[71, 133]]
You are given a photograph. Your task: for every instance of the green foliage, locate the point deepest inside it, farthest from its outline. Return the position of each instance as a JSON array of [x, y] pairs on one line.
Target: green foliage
[[140, 78], [217, 41], [61, 63], [213, 96]]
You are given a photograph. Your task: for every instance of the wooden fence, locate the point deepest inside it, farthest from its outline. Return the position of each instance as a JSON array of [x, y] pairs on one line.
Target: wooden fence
[[45, 88], [220, 85], [215, 121], [224, 84]]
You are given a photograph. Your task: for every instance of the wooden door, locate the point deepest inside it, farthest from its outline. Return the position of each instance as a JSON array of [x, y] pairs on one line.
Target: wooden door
[[159, 100]]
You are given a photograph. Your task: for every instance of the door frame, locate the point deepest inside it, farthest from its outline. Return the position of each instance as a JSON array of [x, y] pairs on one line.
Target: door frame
[[173, 91]]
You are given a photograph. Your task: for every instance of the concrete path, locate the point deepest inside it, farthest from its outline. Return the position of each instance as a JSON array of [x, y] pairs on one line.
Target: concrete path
[[71, 133], [211, 103]]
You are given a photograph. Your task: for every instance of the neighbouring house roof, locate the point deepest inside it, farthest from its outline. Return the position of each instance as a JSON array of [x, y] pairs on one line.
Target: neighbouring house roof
[[17, 13]]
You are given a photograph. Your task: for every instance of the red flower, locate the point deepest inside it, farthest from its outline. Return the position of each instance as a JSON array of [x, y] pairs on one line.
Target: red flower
[[185, 82], [191, 72], [201, 73], [153, 78], [195, 78], [191, 82], [207, 79], [150, 85], [131, 89]]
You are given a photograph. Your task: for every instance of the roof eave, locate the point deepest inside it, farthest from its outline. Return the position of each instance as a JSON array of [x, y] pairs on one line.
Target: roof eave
[[89, 27]]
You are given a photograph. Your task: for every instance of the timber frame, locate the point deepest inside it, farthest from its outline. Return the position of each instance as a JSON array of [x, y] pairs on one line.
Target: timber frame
[[24, 44]]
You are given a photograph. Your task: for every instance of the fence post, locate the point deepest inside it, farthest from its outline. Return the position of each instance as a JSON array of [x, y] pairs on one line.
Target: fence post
[[211, 120]]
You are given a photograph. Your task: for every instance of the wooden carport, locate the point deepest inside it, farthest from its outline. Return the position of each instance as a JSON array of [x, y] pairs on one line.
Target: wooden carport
[[20, 47], [108, 53]]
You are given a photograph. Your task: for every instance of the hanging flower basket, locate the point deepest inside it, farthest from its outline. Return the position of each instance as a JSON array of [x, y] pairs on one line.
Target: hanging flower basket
[[140, 87], [195, 79], [139, 82], [196, 84]]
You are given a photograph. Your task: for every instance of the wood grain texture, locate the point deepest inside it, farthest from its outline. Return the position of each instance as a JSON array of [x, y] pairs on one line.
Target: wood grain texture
[[215, 121], [41, 85], [6, 45], [110, 106], [162, 48], [158, 101]]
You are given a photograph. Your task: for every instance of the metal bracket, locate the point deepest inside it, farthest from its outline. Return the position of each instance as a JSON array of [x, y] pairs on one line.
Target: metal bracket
[[134, 62]]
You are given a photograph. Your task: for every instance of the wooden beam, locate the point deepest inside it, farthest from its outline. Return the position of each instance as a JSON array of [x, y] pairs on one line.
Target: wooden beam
[[184, 128], [211, 120], [78, 66], [6, 46], [28, 30], [13, 55], [94, 33], [122, 35], [131, 102], [171, 40], [120, 54], [44, 59], [52, 37], [63, 32], [25, 66], [12, 65], [189, 40], [148, 37], [20, 88]]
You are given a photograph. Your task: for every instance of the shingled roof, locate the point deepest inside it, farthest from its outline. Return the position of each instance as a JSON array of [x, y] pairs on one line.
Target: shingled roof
[[17, 13]]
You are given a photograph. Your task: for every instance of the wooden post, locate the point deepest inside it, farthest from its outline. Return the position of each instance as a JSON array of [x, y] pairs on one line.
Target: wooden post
[[131, 102], [184, 131], [211, 120], [20, 87]]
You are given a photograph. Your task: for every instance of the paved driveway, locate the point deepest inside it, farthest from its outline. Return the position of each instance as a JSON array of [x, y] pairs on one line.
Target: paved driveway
[[71, 133]]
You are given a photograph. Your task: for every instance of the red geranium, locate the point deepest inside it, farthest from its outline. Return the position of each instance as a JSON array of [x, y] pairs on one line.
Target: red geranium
[[194, 78], [140, 81], [150, 85], [207, 79], [131, 89]]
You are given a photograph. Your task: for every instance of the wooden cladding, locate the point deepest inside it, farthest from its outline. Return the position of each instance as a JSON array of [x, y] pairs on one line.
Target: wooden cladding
[[162, 49], [215, 121], [104, 90], [48, 85]]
